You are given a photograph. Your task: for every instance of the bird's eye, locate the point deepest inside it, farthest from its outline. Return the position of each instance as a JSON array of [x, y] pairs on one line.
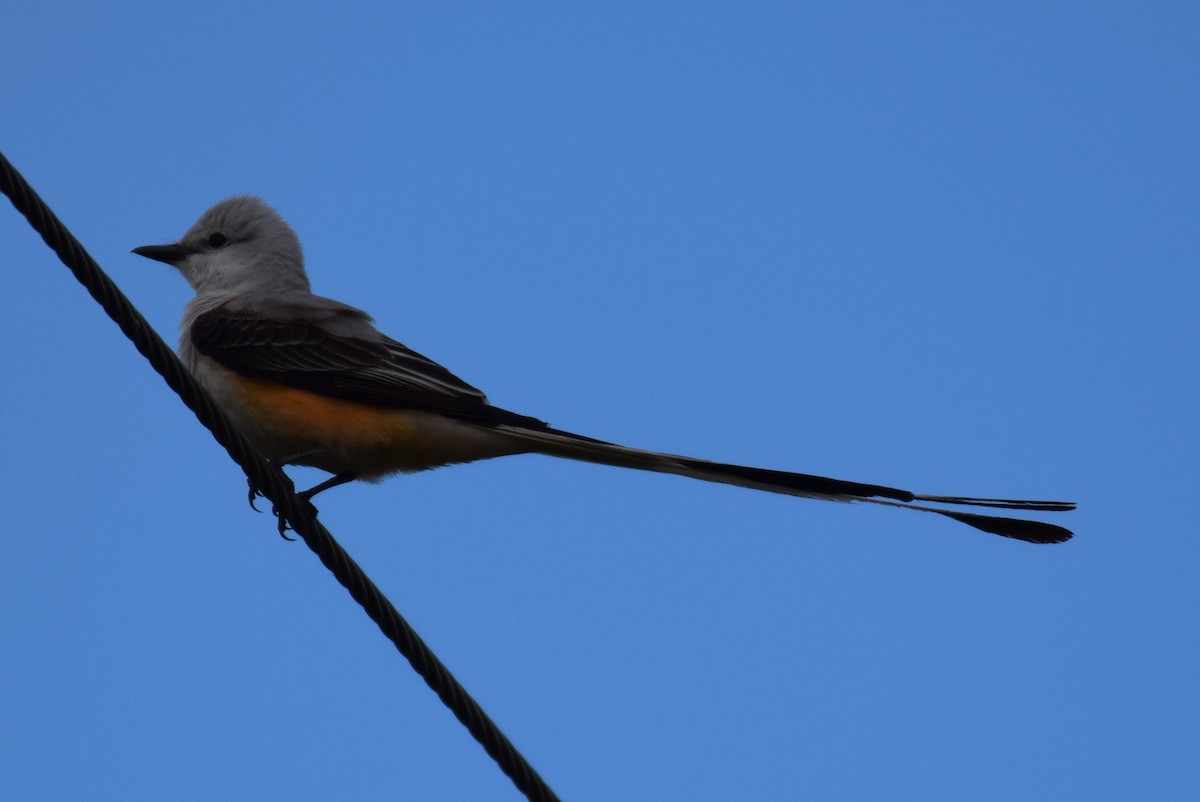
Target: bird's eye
[[217, 240]]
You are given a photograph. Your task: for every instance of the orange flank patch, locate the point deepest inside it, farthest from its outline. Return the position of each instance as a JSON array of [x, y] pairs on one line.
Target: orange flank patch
[[369, 439]]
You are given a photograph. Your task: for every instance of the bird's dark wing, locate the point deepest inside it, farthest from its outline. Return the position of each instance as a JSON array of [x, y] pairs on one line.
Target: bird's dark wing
[[365, 366]]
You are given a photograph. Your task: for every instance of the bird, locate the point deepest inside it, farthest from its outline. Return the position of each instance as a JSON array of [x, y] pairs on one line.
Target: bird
[[311, 381]]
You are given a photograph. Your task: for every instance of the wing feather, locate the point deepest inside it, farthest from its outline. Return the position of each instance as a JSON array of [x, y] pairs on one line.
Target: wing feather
[[366, 367]]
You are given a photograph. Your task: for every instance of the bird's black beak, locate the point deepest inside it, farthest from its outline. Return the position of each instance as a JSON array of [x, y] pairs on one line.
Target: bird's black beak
[[171, 254]]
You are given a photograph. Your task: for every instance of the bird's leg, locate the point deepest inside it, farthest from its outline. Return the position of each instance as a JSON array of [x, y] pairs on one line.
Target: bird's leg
[[292, 459], [305, 496], [333, 481]]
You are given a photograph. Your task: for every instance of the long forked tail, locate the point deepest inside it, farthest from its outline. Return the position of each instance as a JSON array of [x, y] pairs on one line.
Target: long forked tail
[[573, 446]]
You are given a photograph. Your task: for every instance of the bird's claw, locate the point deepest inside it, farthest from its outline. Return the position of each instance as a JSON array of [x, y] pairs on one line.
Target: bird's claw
[[284, 526], [309, 509], [253, 495]]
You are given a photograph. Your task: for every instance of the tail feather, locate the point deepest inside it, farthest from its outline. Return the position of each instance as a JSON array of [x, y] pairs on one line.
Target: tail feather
[[1003, 503], [578, 447]]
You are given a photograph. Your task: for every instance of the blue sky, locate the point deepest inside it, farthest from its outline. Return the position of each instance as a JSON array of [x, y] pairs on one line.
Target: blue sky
[[945, 246]]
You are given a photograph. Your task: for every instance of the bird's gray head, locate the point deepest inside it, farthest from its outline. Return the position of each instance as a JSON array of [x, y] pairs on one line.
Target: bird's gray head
[[239, 245]]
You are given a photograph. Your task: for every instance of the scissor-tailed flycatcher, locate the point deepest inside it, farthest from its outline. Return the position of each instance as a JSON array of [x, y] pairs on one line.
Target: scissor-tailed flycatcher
[[311, 382]]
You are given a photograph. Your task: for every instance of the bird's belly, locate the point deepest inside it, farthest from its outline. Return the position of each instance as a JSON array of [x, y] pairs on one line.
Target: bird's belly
[[340, 435]]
